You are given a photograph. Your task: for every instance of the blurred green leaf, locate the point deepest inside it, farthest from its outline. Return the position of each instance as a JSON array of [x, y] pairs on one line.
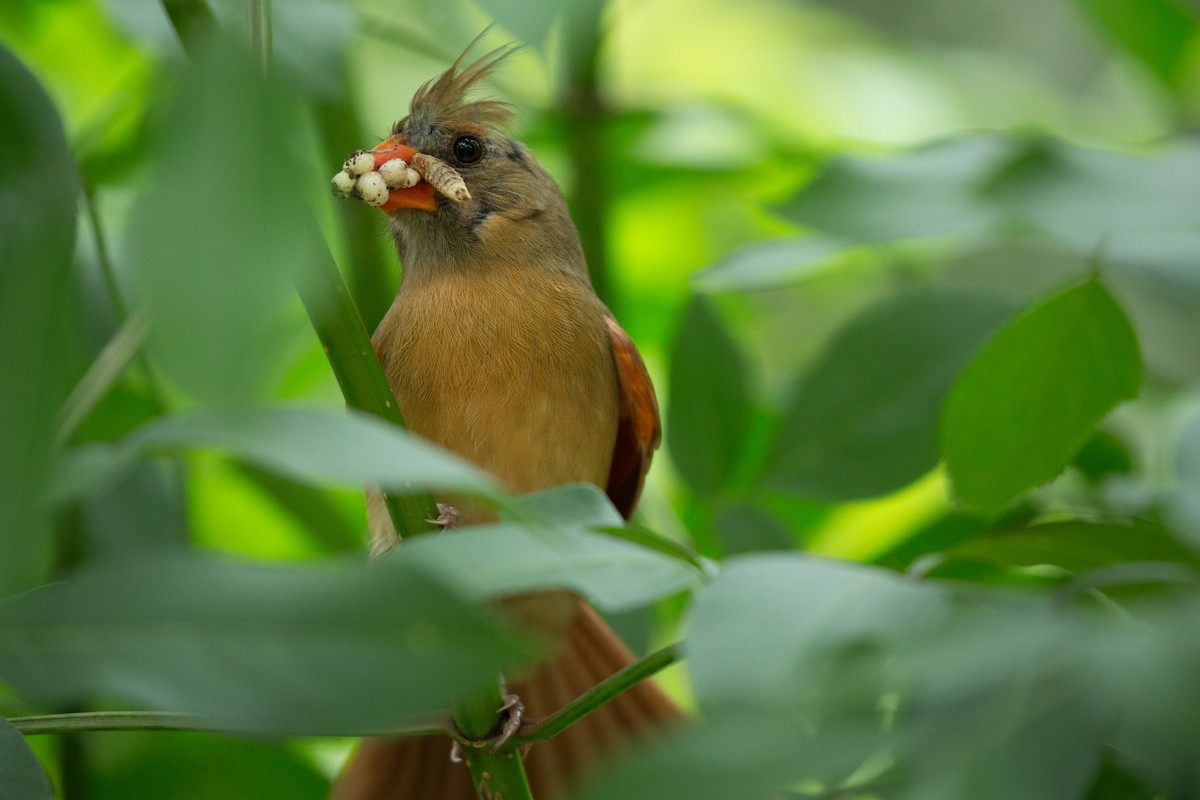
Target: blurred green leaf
[[345, 448], [38, 188], [21, 774], [507, 559], [144, 509], [769, 264], [1086, 195], [931, 191], [708, 417], [1159, 33], [863, 420], [1102, 456], [331, 649], [1183, 500], [198, 766], [219, 232], [1022, 409], [1076, 546], [581, 504]]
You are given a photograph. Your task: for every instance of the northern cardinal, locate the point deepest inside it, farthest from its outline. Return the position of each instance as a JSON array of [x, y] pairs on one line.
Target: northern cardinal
[[498, 349]]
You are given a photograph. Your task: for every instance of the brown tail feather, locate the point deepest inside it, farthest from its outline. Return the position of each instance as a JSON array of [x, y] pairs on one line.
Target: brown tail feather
[[420, 768]]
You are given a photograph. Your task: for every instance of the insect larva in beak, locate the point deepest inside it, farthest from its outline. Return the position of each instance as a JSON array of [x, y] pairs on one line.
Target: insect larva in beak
[[441, 176], [398, 175], [372, 188], [343, 184], [360, 162]]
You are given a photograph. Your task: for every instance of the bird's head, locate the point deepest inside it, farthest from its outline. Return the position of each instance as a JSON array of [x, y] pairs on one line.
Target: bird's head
[[515, 212]]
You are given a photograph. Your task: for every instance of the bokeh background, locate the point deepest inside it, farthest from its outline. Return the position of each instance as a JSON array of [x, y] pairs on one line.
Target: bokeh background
[[808, 215]]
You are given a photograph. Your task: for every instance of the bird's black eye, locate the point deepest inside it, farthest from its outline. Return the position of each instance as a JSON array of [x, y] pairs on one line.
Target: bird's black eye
[[467, 149]]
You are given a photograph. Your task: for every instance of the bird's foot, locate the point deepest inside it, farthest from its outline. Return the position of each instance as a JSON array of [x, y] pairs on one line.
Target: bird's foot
[[515, 709], [447, 517]]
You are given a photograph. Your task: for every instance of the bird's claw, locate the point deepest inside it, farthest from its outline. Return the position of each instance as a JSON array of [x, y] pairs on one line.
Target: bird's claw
[[515, 709], [447, 517]]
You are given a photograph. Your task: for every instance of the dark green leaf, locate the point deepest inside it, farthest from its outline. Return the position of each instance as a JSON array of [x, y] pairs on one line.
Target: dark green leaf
[[346, 448], [326, 649], [863, 421], [219, 232], [708, 416], [1159, 33], [1022, 409], [38, 188], [508, 559], [928, 192], [21, 774]]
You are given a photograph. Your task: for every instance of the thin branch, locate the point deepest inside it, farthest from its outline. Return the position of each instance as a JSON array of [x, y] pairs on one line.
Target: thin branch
[[597, 696]]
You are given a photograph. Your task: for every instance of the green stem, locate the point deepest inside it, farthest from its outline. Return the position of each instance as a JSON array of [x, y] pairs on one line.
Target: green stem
[[494, 774], [259, 23], [617, 683], [88, 721]]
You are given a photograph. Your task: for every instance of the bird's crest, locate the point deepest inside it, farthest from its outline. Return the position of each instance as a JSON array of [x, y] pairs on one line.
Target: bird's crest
[[442, 102]]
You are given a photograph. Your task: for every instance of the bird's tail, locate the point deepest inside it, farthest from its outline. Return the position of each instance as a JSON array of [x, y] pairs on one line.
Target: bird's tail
[[420, 768]]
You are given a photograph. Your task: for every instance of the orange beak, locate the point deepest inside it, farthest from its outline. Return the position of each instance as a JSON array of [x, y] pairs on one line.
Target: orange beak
[[422, 196]]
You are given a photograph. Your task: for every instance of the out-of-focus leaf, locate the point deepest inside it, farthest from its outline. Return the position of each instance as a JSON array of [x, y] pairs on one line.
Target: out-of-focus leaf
[[804, 610], [1076, 546], [1154, 276], [1159, 33], [770, 264], [145, 509], [1085, 195], [38, 187], [863, 421], [21, 774], [579, 504], [319, 650], [931, 191], [320, 445], [745, 527], [1101, 456], [709, 413], [1034, 394], [219, 231], [198, 766], [1183, 501], [493, 561]]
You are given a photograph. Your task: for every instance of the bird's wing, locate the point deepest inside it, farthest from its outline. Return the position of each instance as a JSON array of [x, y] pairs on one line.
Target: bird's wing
[[639, 431]]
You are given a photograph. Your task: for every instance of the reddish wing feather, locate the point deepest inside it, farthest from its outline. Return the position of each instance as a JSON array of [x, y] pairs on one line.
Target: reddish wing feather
[[639, 431]]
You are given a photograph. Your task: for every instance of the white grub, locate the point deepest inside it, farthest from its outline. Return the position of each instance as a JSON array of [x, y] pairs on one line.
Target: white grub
[[343, 184], [372, 188], [360, 162], [399, 175], [442, 177]]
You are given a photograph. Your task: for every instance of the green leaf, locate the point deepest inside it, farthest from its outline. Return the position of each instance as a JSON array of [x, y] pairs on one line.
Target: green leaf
[[928, 192], [219, 232], [709, 412], [492, 561], [21, 774], [38, 188], [769, 264], [1183, 500], [324, 649], [345, 448], [863, 421], [1022, 409], [1159, 33], [572, 504], [1076, 546]]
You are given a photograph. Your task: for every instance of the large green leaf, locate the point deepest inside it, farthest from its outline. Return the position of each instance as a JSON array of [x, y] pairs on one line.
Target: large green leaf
[[325, 649], [1033, 395], [863, 421], [219, 231], [38, 186], [708, 416], [346, 448], [1159, 33], [21, 774], [769, 264], [508, 559]]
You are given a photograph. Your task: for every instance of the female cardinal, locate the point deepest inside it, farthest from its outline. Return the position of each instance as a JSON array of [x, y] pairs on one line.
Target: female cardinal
[[498, 349]]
